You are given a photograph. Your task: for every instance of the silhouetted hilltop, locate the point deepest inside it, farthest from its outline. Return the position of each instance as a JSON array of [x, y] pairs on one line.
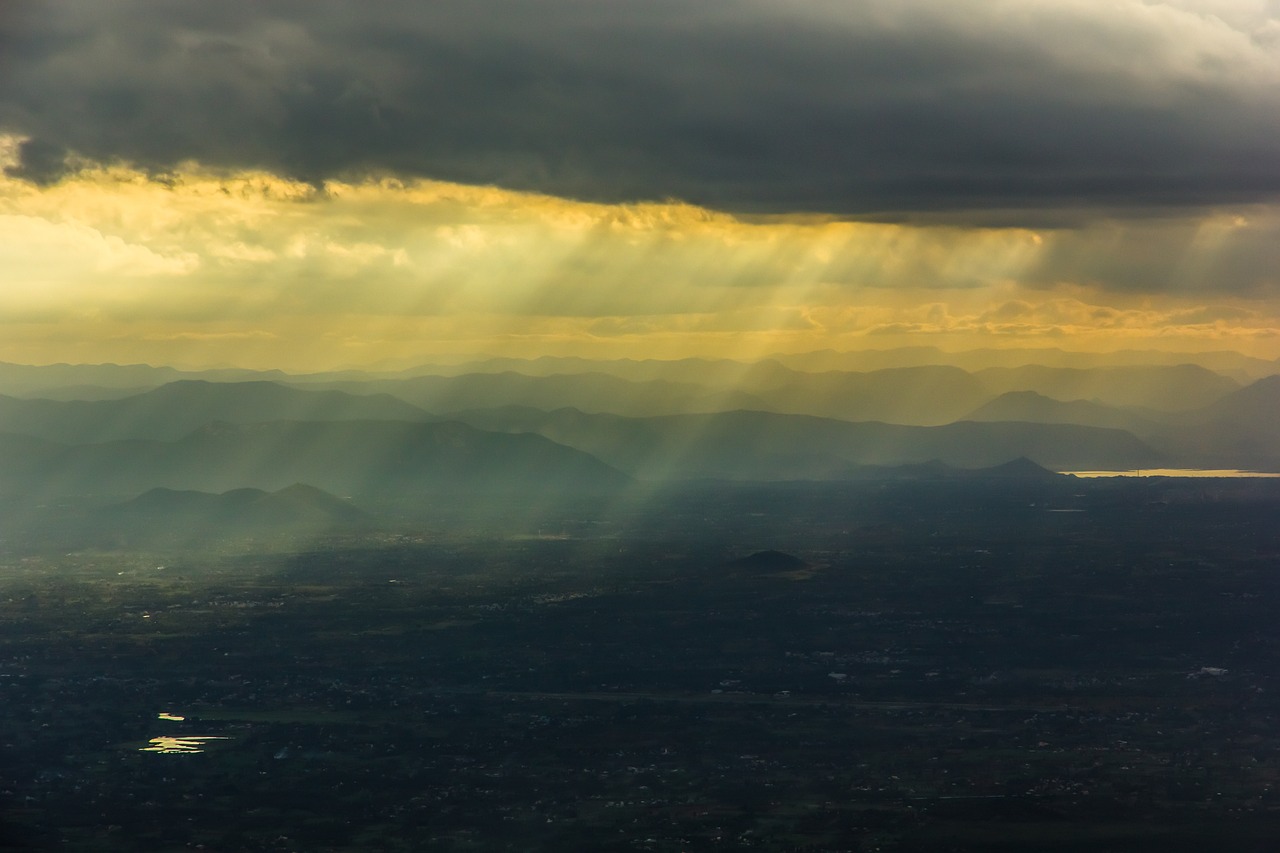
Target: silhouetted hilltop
[[1021, 468], [769, 561], [188, 501], [1169, 388], [164, 515], [301, 501], [1033, 407]]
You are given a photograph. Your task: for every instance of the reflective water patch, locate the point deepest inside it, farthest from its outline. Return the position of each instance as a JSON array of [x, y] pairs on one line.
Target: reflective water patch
[[187, 744]]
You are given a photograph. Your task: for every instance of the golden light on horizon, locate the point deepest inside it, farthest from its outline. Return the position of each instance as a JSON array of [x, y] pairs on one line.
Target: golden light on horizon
[[199, 267]]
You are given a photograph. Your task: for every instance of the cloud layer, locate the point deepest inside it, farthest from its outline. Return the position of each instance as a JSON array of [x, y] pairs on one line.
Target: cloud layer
[[897, 107], [199, 265]]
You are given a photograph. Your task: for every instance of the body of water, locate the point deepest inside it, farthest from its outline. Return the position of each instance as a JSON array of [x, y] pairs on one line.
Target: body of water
[[1174, 472]]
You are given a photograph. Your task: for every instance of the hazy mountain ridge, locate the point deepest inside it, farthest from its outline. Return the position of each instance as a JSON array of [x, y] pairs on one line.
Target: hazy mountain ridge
[[1033, 407], [920, 394], [1240, 367], [1241, 430], [61, 380], [924, 395], [347, 458], [30, 379], [597, 392], [723, 372], [1221, 361], [1258, 402], [176, 409], [1171, 388], [360, 439], [764, 445], [298, 508]]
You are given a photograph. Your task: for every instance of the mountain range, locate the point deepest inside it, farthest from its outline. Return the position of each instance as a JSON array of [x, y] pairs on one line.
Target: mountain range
[[376, 459], [485, 428], [766, 446], [174, 410]]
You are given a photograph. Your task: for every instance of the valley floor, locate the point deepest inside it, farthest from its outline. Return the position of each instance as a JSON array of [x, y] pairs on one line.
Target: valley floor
[[956, 667]]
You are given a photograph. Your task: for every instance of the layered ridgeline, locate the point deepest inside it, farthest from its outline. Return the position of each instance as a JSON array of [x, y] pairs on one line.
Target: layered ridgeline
[[177, 409], [505, 426], [920, 395], [367, 459], [768, 446]]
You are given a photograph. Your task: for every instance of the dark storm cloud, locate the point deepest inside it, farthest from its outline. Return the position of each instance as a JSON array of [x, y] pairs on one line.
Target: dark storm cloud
[[749, 106]]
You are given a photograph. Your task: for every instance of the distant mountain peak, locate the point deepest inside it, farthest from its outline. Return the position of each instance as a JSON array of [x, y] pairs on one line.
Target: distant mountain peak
[[1021, 468], [162, 514], [770, 561]]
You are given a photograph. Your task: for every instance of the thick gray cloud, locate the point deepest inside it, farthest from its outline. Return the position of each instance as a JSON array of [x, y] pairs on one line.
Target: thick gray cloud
[[747, 105]]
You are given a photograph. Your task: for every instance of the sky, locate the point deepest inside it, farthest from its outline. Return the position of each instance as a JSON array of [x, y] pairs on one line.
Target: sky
[[312, 184]]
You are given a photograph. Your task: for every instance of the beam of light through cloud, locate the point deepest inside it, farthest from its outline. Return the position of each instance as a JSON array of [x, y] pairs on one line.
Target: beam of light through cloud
[[272, 184], [109, 262]]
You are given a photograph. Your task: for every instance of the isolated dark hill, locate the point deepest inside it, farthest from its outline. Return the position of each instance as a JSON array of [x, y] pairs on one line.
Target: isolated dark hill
[[1021, 468], [361, 458], [769, 561], [174, 410], [1032, 407], [292, 504], [188, 502], [163, 514], [303, 503], [1167, 388], [769, 446]]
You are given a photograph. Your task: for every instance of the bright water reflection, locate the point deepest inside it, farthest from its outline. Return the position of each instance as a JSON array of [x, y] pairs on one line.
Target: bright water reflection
[[1174, 472], [187, 744]]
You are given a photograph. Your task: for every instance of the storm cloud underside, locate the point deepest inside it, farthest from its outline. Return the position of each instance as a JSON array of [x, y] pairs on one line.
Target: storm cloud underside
[[875, 107]]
